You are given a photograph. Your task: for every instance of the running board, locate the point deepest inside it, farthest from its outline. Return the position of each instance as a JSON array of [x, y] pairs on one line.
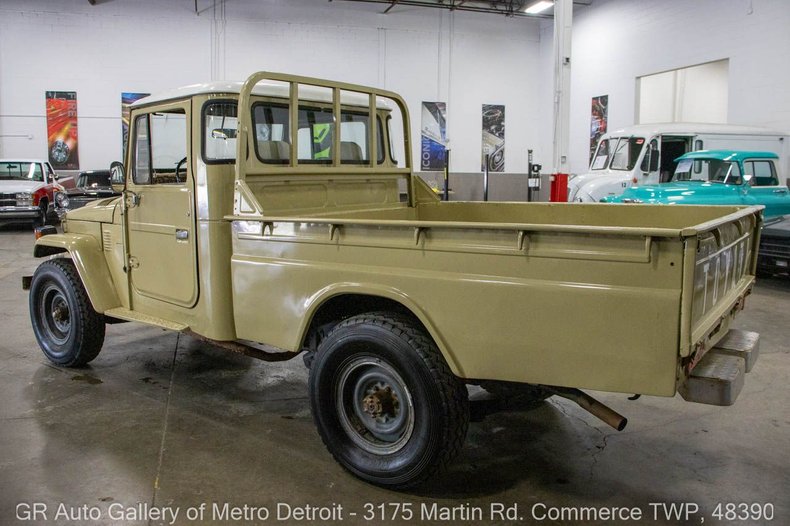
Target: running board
[[129, 315]]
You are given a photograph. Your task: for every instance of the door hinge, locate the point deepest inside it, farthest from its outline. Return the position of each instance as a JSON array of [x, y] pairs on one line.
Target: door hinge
[[133, 262]]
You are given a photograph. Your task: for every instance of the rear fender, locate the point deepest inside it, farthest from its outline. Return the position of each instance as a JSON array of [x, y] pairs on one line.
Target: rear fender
[[86, 253], [337, 289]]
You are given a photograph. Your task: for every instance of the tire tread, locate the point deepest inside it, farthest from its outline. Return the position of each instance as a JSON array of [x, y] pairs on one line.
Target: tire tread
[[454, 395], [92, 323]]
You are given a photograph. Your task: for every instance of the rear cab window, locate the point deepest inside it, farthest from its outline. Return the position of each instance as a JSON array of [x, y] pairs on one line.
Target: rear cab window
[[315, 134]]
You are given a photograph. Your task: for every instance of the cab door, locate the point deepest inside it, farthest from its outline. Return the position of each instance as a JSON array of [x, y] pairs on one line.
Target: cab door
[[764, 188], [160, 209]]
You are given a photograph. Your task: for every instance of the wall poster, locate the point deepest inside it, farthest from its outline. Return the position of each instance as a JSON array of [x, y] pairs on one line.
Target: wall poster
[[127, 99], [598, 121], [493, 137], [434, 136], [62, 130]]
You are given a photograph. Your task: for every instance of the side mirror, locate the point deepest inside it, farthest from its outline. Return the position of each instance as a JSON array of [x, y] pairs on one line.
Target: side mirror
[[55, 176], [747, 178], [117, 176]]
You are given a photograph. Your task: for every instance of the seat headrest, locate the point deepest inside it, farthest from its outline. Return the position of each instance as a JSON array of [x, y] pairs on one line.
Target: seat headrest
[[274, 150]]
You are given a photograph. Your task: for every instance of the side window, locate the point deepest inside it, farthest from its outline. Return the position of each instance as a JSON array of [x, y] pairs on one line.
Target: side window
[[735, 174], [698, 164], [142, 151], [220, 126], [763, 171], [160, 148], [652, 155], [272, 136]]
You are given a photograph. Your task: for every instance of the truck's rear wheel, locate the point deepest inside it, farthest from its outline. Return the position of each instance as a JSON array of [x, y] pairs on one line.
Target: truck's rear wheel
[[385, 402], [67, 328]]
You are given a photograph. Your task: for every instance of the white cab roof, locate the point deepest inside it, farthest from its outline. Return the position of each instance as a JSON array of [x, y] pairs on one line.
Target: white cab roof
[[691, 128], [264, 88]]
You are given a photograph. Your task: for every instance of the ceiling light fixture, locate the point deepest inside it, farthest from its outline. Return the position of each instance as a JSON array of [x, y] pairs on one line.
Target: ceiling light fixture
[[538, 7]]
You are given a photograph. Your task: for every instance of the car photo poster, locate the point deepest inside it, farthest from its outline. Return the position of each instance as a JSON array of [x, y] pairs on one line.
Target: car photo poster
[[126, 100], [493, 138], [62, 130], [434, 136], [598, 121]]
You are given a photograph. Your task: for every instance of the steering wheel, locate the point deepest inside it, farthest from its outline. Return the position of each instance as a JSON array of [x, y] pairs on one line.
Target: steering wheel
[[179, 164]]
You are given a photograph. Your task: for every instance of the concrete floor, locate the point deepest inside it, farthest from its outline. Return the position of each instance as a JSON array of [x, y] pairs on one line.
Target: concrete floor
[[162, 419]]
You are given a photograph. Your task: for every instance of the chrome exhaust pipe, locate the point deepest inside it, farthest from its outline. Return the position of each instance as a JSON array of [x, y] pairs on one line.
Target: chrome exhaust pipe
[[592, 406]]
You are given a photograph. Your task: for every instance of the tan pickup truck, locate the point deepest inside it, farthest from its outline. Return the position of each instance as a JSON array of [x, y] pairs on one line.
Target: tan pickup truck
[[284, 211]]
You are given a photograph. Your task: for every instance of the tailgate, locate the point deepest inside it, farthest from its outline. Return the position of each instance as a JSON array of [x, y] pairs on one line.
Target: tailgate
[[719, 267]]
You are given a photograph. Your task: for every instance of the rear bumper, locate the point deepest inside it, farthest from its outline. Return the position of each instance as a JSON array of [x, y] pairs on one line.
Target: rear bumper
[[717, 379]]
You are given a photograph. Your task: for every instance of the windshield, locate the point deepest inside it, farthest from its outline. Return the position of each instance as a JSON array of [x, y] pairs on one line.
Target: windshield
[[617, 153], [601, 158], [94, 180], [626, 153], [21, 171], [713, 170]]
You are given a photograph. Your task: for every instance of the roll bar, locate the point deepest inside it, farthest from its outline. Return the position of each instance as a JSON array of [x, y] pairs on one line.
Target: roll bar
[[246, 138]]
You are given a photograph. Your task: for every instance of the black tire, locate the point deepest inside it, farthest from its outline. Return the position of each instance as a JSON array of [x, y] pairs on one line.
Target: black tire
[[68, 329], [41, 220], [427, 406]]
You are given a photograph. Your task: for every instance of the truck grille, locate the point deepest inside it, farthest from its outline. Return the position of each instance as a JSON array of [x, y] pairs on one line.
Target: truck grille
[[7, 199], [775, 246], [79, 202]]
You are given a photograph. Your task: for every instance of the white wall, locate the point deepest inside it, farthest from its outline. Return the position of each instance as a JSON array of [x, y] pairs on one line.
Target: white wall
[[149, 45], [693, 94], [616, 41]]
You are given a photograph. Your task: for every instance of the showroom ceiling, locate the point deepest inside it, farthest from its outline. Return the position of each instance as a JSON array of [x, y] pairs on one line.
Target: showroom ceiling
[[513, 8]]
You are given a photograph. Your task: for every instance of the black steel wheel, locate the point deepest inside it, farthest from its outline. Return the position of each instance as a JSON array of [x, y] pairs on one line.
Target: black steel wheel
[[68, 329], [385, 402]]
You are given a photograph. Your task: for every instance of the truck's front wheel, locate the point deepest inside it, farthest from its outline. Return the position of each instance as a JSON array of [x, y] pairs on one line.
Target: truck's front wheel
[[385, 402], [68, 329]]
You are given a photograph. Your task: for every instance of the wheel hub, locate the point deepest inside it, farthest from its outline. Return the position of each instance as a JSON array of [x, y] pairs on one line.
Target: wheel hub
[[381, 403], [60, 313], [374, 405]]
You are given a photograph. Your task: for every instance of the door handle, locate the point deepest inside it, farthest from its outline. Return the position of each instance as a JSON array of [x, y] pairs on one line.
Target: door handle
[[132, 199], [181, 234], [780, 191]]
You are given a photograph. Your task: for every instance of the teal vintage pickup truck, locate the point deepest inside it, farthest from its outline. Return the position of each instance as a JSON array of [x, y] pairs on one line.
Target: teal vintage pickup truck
[[717, 177]]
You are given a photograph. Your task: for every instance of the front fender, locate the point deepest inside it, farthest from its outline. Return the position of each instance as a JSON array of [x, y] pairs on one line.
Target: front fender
[[86, 253]]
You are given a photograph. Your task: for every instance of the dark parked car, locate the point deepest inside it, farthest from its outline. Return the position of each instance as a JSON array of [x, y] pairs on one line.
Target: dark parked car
[[774, 254], [91, 185]]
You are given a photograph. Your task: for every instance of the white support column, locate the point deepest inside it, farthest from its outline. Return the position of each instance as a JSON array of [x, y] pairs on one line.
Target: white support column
[[563, 20]]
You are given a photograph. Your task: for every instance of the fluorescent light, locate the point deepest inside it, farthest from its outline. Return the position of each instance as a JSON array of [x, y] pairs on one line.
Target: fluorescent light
[[538, 7]]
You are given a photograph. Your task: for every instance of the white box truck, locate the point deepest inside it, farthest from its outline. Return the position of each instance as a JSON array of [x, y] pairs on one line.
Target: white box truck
[[645, 154]]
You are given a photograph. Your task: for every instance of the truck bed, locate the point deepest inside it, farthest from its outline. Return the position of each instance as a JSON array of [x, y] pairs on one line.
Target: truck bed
[[591, 296]]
